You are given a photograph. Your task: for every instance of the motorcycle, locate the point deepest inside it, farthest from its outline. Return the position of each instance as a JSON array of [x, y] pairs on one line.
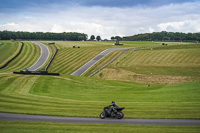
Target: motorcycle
[[108, 112]]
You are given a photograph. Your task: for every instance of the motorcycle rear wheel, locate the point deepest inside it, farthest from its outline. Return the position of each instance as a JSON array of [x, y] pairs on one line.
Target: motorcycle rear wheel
[[120, 115], [102, 115]]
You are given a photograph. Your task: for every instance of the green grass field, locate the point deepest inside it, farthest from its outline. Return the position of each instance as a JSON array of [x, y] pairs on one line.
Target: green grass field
[[36, 127], [180, 63], [69, 59], [86, 97], [125, 83], [29, 55], [7, 49], [97, 44]]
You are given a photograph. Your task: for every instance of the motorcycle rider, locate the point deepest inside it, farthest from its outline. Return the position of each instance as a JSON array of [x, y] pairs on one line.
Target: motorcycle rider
[[115, 106]]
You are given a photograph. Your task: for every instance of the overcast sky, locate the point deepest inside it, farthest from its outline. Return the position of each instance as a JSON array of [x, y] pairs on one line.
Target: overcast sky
[[100, 17]]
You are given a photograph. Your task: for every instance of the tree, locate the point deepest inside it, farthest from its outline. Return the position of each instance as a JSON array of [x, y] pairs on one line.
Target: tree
[[98, 38], [92, 37], [118, 38], [112, 38], [80, 38]]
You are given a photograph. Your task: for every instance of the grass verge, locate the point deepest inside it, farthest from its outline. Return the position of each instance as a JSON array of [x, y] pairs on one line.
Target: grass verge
[[29, 55], [47, 127], [8, 50]]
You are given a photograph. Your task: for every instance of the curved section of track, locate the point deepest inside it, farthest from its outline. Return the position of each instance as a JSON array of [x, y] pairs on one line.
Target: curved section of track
[[35, 118], [43, 58]]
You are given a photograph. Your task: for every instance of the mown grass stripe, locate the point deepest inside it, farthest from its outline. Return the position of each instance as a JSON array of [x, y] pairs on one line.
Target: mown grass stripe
[[29, 55], [75, 64], [25, 85], [35, 50], [17, 62], [6, 82], [65, 58], [13, 56], [27, 61], [11, 87], [59, 61], [7, 49], [70, 60]]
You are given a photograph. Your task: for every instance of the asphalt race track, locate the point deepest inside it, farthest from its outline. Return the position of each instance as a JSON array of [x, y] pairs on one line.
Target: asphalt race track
[[36, 118], [43, 58], [89, 64]]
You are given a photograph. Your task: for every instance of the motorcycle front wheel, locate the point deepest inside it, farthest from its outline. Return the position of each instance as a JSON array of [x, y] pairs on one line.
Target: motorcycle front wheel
[[120, 115], [102, 115]]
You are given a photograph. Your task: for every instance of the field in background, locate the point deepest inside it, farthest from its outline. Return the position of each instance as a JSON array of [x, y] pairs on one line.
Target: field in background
[[109, 44], [180, 63], [69, 59]]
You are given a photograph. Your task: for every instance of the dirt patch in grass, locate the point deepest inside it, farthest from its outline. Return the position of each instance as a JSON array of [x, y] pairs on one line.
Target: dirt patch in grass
[[124, 75], [163, 79]]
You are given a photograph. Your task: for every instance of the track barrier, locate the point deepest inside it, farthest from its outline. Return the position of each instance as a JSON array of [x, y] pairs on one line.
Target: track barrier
[[36, 73]]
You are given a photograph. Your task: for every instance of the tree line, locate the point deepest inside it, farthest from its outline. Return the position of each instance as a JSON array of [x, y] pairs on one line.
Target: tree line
[[161, 36], [20, 35], [74, 36]]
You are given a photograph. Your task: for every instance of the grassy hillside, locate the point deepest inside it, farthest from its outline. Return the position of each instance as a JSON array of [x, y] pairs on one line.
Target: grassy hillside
[[47, 127], [7, 49], [29, 55], [82, 96], [69, 59], [86, 97], [181, 62]]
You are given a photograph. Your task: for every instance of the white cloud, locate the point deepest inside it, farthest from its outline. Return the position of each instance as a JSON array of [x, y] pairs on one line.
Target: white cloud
[[171, 26], [187, 26], [108, 22], [57, 28], [10, 26]]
